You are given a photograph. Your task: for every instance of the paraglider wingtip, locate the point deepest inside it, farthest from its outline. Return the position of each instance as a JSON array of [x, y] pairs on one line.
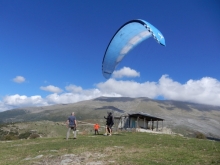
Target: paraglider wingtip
[[107, 75], [163, 44]]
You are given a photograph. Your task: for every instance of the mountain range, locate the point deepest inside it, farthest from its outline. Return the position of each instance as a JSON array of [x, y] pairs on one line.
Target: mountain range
[[181, 117]]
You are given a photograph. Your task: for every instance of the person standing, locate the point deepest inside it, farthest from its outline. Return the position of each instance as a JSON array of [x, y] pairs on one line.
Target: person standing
[[96, 128], [71, 125], [109, 124]]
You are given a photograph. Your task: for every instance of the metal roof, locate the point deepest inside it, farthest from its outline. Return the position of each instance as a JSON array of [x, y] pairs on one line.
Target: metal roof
[[145, 115]]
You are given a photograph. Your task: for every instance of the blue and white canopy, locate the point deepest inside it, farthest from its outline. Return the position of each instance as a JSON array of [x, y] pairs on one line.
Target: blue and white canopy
[[126, 38]]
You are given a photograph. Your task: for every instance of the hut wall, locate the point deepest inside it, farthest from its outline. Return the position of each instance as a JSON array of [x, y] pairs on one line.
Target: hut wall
[[140, 123], [124, 122]]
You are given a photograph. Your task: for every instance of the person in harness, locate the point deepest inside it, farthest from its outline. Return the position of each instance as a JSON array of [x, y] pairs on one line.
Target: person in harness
[[109, 124]]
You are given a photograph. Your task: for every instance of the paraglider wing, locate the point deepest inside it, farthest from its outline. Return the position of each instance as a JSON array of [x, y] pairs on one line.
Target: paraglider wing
[[126, 38]]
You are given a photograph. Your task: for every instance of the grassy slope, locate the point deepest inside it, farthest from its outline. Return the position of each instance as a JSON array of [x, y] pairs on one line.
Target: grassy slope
[[122, 148]]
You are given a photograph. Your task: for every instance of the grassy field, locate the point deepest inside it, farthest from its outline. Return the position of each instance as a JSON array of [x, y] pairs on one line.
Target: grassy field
[[125, 148]]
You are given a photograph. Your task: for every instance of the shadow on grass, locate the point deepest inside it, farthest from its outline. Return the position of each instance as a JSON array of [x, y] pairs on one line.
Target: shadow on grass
[[98, 135], [70, 138], [118, 134]]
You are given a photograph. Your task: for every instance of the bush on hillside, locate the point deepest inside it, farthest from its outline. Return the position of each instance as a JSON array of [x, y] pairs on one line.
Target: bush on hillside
[[10, 137], [34, 136], [13, 133], [2, 132], [200, 135], [24, 135]]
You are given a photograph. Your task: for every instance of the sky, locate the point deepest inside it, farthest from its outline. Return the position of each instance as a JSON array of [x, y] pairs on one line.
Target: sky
[[51, 51]]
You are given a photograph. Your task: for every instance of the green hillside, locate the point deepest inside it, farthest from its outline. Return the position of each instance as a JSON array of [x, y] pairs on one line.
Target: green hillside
[[123, 148]]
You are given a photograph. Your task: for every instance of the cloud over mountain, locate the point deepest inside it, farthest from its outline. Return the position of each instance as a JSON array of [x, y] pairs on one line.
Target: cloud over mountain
[[51, 88], [205, 91]]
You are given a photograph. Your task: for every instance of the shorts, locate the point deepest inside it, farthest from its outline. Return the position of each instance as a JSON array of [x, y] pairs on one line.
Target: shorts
[[109, 126], [73, 127]]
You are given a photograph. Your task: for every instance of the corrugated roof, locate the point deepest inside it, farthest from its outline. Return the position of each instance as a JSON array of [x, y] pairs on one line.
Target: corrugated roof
[[145, 115]]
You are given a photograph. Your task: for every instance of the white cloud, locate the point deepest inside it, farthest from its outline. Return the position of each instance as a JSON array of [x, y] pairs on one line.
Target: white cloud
[[125, 72], [74, 88], [15, 101], [51, 88], [129, 88], [204, 91], [19, 79], [66, 98], [23, 100]]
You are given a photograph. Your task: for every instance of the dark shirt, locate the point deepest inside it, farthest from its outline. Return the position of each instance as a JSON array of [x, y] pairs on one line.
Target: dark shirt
[[109, 120], [71, 120]]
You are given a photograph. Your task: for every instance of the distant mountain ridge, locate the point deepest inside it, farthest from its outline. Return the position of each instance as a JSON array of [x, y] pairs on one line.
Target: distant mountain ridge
[[179, 116]]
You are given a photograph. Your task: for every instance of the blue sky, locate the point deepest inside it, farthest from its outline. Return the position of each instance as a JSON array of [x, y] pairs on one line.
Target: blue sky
[[51, 51]]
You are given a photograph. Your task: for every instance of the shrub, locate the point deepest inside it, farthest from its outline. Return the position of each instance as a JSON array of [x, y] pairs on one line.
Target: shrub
[[34, 136], [13, 133], [10, 137], [200, 135], [2, 132], [24, 135]]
